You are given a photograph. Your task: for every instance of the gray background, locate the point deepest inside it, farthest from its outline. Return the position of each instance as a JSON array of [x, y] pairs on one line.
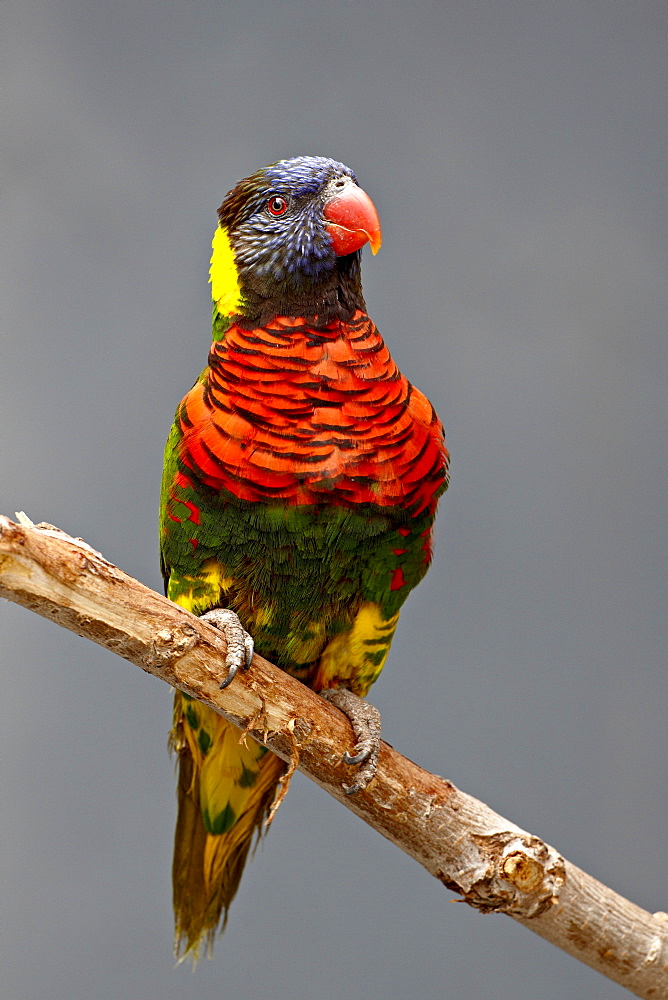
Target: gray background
[[515, 154]]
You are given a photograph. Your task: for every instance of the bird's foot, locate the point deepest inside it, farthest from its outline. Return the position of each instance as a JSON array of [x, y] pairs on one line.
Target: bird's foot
[[239, 642], [365, 720]]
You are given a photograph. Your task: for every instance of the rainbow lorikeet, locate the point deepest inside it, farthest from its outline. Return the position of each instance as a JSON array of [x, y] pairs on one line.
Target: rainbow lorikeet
[[300, 486]]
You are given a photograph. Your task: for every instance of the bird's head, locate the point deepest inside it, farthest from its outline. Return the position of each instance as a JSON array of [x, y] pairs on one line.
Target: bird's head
[[289, 242]]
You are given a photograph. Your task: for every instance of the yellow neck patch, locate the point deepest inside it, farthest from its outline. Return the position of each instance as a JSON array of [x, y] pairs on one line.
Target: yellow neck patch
[[225, 288]]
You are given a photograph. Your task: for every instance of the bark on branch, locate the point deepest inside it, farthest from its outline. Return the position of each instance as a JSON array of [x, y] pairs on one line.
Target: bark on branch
[[490, 862]]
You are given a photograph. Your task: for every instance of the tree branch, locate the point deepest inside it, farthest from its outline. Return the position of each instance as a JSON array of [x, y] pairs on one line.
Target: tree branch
[[492, 863]]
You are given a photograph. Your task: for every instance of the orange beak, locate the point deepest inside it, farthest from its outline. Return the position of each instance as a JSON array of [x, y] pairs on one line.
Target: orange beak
[[352, 221]]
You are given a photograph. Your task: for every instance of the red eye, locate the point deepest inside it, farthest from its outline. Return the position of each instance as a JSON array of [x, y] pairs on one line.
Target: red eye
[[277, 205]]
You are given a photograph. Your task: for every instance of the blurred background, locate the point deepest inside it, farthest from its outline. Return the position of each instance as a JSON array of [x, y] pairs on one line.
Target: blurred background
[[515, 155]]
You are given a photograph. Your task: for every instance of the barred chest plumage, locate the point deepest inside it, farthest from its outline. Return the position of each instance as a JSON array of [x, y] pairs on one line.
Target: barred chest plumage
[[310, 415]]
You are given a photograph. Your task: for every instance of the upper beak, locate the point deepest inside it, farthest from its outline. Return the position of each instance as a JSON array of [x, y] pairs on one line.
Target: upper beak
[[352, 221]]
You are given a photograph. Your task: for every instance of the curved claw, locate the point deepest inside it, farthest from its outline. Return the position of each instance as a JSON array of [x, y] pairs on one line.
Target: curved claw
[[359, 786], [240, 644], [231, 674], [358, 758]]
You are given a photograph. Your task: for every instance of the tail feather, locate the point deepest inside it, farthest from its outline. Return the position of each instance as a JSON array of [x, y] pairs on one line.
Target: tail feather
[[224, 796]]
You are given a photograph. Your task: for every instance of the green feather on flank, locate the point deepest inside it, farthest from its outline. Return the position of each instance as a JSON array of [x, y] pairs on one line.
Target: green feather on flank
[[292, 598]]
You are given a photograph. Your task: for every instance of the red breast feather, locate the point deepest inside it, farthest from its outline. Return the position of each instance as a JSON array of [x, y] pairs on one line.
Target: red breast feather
[[290, 412]]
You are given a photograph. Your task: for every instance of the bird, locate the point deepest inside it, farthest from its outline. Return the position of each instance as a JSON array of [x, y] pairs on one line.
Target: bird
[[300, 485]]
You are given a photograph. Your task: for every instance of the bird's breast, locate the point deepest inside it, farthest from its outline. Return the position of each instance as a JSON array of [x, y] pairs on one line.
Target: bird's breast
[[310, 416]]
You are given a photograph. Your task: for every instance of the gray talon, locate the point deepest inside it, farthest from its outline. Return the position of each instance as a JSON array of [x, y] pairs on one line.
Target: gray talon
[[365, 720], [239, 642], [231, 674]]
